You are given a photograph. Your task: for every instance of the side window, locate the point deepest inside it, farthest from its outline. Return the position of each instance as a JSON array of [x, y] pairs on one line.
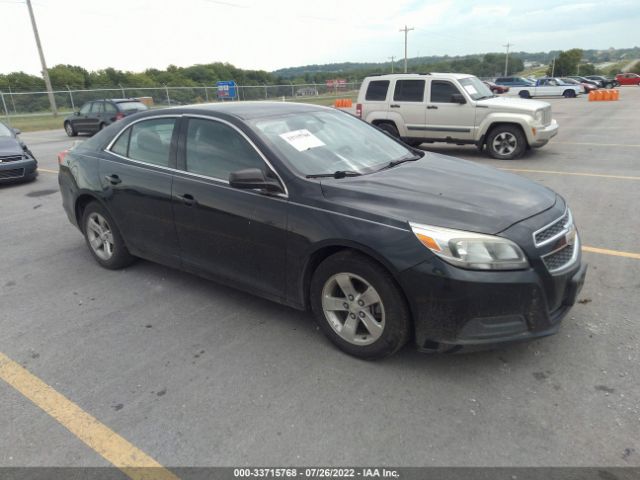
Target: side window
[[110, 108], [409, 91], [377, 90], [97, 107], [215, 150], [150, 141], [441, 91], [85, 108], [121, 147]]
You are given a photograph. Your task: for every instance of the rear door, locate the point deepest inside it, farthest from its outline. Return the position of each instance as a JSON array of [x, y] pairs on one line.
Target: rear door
[[408, 101], [137, 174], [446, 118], [81, 121], [235, 235], [110, 112]]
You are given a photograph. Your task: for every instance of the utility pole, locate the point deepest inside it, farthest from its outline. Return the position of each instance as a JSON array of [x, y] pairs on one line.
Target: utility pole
[[553, 66], [406, 30], [45, 72], [506, 59], [392, 58]]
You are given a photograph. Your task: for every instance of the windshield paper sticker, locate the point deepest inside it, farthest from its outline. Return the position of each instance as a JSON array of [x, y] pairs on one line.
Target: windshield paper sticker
[[471, 90], [302, 140]]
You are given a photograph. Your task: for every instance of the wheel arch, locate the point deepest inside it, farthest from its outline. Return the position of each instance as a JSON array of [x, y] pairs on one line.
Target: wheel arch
[[491, 124]]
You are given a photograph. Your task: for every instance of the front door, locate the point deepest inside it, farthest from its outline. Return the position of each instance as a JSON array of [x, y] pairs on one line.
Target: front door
[[235, 235], [446, 118]]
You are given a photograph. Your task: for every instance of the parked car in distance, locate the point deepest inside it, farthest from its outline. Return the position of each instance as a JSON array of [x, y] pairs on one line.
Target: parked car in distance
[[95, 115], [585, 80], [603, 82], [454, 108], [311, 207], [496, 88], [548, 87], [628, 79], [514, 81], [586, 87], [17, 163]]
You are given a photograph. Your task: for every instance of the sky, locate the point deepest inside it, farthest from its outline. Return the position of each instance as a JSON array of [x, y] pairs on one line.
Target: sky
[[270, 34]]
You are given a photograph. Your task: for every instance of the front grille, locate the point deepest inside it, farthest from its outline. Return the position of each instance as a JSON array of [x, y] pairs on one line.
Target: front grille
[[10, 158], [559, 259], [546, 117], [554, 230], [15, 173]]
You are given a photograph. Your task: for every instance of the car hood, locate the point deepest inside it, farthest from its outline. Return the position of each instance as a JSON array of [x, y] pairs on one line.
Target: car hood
[[443, 191], [512, 103], [10, 146]]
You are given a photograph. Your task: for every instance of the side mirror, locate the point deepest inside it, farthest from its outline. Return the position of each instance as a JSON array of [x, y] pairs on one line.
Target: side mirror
[[253, 179], [17, 131], [458, 98]]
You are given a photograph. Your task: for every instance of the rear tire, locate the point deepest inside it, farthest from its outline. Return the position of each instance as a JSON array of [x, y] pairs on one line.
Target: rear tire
[[390, 128], [358, 305], [506, 142], [103, 238], [68, 128]]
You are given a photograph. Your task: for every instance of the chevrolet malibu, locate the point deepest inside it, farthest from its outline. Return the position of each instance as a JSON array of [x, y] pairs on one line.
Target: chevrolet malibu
[[314, 208]]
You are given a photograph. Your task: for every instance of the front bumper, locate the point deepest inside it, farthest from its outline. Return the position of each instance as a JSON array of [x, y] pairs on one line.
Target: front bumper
[[544, 134], [457, 309], [19, 170]]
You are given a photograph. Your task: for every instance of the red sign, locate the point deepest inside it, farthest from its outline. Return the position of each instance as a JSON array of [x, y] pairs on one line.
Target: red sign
[[336, 83]]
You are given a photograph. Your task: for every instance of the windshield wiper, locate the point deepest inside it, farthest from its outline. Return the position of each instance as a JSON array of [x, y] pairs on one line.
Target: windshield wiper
[[394, 163], [336, 174]]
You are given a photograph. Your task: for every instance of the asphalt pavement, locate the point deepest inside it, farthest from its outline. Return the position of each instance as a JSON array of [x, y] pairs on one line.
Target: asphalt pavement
[[196, 374]]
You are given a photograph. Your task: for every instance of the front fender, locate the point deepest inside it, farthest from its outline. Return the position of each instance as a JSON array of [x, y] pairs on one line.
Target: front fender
[[523, 120]]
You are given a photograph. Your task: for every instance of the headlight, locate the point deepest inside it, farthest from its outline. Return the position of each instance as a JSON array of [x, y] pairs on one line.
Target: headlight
[[539, 115], [471, 250]]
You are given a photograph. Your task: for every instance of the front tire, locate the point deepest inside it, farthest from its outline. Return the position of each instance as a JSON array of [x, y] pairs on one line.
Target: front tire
[[506, 142], [68, 128], [569, 94], [358, 305], [524, 94], [103, 238]]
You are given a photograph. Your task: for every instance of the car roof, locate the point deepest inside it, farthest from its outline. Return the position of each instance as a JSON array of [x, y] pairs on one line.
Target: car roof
[[245, 110], [393, 76], [115, 100]]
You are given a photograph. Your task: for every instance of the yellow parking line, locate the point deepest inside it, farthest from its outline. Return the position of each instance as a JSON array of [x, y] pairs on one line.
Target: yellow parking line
[[598, 144], [615, 253], [47, 171], [133, 462], [580, 174]]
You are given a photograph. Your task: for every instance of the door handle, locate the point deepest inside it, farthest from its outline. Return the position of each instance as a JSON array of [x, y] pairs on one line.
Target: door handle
[[393, 105], [432, 107], [187, 199], [113, 179]]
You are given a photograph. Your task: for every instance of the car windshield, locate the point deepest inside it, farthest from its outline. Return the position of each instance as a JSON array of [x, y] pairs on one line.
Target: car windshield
[[132, 106], [475, 88], [325, 142], [5, 131]]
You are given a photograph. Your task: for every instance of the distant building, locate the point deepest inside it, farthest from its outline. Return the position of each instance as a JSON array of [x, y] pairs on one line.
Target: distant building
[[306, 92]]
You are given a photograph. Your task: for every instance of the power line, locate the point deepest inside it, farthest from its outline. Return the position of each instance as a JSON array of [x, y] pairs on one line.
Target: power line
[[406, 30]]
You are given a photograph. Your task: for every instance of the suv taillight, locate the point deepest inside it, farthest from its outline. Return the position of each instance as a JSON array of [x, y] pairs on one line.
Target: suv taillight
[[119, 116], [359, 110]]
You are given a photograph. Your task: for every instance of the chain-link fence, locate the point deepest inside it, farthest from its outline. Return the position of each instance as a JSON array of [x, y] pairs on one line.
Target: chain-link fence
[[18, 104]]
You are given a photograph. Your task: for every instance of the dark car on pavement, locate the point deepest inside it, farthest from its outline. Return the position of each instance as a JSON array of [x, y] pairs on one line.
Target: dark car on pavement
[[17, 163], [314, 208], [95, 115], [603, 82], [496, 88], [514, 82]]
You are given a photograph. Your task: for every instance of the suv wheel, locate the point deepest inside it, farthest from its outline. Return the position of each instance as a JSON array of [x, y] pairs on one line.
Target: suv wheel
[[390, 128], [506, 142], [69, 129], [358, 306], [103, 238]]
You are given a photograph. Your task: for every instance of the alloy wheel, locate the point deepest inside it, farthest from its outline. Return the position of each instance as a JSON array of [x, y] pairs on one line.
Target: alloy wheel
[[505, 143], [353, 308], [100, 236]]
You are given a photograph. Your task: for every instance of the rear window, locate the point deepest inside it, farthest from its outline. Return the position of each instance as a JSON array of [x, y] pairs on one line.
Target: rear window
[[377, 90], [132, 106], [409, 91]]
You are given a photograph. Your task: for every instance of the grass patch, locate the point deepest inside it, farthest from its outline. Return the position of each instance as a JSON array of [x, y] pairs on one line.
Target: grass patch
[[33, 123]]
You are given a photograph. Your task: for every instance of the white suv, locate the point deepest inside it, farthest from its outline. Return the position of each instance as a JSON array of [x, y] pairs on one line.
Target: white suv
[[454, 108]]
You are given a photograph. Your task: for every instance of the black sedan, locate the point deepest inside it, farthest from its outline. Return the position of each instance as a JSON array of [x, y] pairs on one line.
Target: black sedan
[[95, 115], [17, 163], [313, 208]]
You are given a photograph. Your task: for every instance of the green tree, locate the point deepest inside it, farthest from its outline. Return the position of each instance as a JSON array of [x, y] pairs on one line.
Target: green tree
[[566, 63]]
